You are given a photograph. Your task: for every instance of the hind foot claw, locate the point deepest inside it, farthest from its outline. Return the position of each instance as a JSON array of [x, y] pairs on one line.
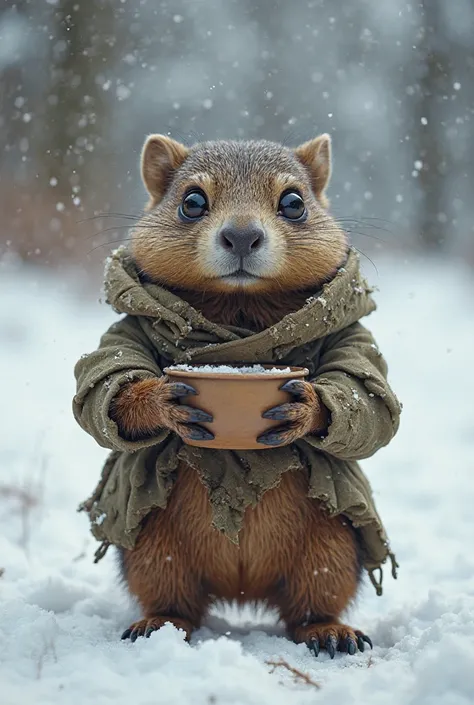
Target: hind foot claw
[[332, 638], [146, 627]]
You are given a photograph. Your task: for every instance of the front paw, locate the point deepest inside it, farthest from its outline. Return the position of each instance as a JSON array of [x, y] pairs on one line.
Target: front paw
[[304, 415], [142, 407], [183, 419]]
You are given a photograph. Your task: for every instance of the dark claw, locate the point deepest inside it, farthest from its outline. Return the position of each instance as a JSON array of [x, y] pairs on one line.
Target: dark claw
[[360, 644], [313, 646], [278, 413], [294, 386], [368, 640], [271, 438], [351, 646], [134, 635], [197, 433], [196, 414], [149, 632], [126, 634], [178, 389], [331, 646]]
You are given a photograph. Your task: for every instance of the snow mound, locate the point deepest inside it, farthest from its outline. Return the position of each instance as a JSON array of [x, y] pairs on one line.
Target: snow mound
[[61, 616]]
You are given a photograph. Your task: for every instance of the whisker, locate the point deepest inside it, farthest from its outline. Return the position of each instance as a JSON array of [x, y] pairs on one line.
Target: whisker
[[112, 242], [143, 226], [343, 222], [127, 216], [372, 237], [335, 231], [108, 230], [367, 257], [369, 217], [367, 221], [348, 230], [381, 220]]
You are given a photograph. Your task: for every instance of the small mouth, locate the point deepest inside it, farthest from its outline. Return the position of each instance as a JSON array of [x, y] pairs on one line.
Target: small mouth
[[241, 277], [240, 274]]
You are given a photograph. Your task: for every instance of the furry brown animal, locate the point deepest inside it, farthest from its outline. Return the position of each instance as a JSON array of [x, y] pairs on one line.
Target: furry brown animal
[[219, 233]]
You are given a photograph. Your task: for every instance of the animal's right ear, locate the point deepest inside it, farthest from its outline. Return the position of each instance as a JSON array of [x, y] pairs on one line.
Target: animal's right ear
[[161, 156], [315, 156]]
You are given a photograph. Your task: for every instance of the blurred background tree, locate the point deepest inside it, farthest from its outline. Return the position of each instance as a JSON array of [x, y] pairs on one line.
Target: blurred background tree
[[83, 81]]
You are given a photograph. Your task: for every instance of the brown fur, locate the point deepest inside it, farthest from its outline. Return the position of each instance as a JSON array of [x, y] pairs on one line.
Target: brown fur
[[243, 182], [142, 407], [240, 309], [291, 555]]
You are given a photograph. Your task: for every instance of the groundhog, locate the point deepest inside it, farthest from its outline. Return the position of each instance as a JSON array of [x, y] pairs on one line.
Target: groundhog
[[241, 232]]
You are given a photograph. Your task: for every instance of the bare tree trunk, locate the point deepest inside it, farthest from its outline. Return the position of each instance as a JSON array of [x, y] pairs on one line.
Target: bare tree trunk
[[431, 163], [76, 109], [15, 125], [56, 110]]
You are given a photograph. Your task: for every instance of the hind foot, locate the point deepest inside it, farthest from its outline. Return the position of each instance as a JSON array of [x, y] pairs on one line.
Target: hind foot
[[332, 637], [146, 627]]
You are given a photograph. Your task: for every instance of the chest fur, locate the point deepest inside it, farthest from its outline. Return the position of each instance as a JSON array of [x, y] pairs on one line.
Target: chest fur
[[273, 537]]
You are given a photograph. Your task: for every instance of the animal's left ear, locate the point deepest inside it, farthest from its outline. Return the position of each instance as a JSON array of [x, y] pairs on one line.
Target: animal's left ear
[[315, 156]]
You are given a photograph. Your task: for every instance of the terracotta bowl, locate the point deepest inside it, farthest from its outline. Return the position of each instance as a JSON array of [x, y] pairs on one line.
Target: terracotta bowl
[[236, 402]]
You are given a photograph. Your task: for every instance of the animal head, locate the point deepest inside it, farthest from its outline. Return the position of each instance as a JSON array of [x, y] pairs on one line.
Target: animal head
[[231, 216]]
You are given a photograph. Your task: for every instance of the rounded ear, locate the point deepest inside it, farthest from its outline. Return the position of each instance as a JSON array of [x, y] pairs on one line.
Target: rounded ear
[[161, 156], [315, 156]]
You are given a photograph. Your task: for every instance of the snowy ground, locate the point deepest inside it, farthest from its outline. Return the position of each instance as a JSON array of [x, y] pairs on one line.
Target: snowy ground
[[61, 616]]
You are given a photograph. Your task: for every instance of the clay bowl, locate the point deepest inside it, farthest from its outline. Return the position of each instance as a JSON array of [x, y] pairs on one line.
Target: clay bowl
[[236, 402]]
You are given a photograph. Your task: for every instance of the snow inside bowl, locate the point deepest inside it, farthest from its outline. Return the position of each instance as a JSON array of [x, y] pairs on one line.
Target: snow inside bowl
[[235, 396]]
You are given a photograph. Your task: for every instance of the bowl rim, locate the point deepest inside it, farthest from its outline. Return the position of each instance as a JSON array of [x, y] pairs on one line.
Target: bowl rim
[[294, 372]]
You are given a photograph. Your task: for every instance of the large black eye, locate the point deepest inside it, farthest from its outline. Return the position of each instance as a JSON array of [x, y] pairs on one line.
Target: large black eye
[[291, 206], [194, 205]]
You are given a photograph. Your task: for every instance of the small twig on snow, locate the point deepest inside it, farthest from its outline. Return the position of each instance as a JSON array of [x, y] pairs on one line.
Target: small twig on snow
[[295, 671], [26, 501], [48, 648]]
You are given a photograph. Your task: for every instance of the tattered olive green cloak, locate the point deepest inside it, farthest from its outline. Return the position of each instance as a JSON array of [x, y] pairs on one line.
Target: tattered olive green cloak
[[347, 369]]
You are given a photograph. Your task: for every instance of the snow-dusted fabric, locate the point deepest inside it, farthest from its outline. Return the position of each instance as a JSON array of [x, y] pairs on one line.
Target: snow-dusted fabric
[[159, 328]]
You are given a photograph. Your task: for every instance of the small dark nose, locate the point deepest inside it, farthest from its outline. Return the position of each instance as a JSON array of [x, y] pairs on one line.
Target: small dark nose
[[241, 241]]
